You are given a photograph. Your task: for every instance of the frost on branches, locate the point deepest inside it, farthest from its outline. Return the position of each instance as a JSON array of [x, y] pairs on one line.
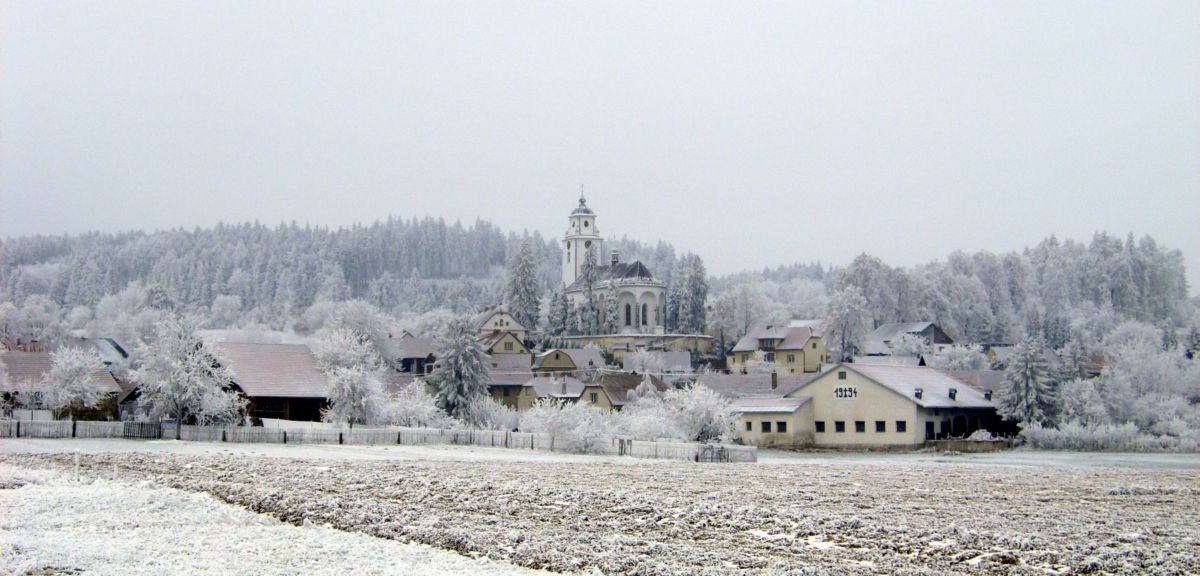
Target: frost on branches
[[846, 321], [1030, 396], [69, 385], [523, 294], [461, 376], [181, 377], [959, 357]]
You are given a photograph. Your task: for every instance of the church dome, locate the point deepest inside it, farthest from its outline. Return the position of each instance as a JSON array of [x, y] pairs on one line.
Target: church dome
[[582, 208]]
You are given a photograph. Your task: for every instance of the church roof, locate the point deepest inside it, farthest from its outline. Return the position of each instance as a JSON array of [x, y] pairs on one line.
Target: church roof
[[620, 273], [582, 208]]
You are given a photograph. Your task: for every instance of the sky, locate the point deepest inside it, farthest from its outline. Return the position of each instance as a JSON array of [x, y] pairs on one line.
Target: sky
[[752, 133]]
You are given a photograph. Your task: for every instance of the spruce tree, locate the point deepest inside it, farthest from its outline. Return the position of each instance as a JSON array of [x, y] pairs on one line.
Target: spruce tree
[[523, 294], [461, 376], [1030, 396]]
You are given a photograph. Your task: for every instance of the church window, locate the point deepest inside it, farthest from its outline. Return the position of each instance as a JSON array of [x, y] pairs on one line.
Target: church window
[[644, 309], [587, 244], [628, 315], [585, 223]]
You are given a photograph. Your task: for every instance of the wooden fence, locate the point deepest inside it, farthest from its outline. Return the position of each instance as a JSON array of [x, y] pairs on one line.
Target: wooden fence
[[686, 451]]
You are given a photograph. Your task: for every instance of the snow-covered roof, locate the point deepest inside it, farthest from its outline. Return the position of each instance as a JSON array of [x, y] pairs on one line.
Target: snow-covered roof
[[582, 358], [877, 343], [21, 367], [980, 380], [769, 405], [409, 346], [562, 387], [935, 385], [482, 318], [509, 369], [736, 386], [670, 360], [618, 385], [888, 360], [274, 370]]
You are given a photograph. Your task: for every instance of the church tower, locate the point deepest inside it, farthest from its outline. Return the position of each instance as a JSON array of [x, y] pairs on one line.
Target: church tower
[[582, 237]]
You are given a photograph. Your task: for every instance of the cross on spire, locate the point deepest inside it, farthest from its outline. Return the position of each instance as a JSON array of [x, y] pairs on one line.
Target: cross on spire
[[582, 200]]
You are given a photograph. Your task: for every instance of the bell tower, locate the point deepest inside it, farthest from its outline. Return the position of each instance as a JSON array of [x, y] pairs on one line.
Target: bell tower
[[582, 237]]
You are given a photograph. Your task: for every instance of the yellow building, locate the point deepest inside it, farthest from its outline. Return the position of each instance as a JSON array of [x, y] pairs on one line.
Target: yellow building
[[774, 422], [611, 391], [791, 349], [509, 375], [880, 406], [572, 360], [499, 342], [499, 320]]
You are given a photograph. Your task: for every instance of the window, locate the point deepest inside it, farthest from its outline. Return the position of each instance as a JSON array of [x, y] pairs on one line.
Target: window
[[814, 346], [593, 397], [628, 315], [841, 374], [902, 426], [749, 426], [644, 317], [745, 358], [585, 223], [860, 426], [766, 426], [506, 391], [880, 426], [839, 426], [781, 426], [508, 346], [791, 358], [820, 426]]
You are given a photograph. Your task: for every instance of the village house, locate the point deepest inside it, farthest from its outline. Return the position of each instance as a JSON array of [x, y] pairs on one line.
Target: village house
[[509, 375], [556, 387], [22, 368], [610, 391], [879, 342], [498, 342], [411, 354], [497, 319], [570, 360], [790, 349]]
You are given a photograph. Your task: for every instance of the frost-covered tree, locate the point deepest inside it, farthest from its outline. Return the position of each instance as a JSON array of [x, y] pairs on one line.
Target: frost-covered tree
[[559, 314], [523, 294], [909, 345], [1030, 397], [461, 376], [1080, 402], [691, 296], [612, 317], [846, 321], [1149, 386], [70, 386], [342, 347], [356, 396], [704, 415], [645, 362], [959, 357], [181, 376], [413, 406], [485, 413], [226, 311], [574, 426]]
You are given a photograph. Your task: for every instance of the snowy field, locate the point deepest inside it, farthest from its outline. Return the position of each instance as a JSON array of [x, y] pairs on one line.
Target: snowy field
[[1018, 513], [54, 523]]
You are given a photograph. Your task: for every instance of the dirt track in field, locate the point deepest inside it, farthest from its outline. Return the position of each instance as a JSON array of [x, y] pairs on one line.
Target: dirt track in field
[[674, 518]]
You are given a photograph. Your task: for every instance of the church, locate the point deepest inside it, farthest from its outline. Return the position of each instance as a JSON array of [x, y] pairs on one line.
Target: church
[[640, 300]]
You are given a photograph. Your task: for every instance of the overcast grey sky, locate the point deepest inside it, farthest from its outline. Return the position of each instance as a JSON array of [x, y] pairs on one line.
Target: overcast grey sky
[[751, 133]]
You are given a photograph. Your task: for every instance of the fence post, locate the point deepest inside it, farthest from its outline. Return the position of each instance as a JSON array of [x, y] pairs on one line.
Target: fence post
[[339, 437], [74, 423], [398, 437], [222, 434], [285, 436], [18, 428]]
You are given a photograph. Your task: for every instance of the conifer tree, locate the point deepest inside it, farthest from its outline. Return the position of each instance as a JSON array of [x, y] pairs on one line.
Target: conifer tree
[[523, 294]]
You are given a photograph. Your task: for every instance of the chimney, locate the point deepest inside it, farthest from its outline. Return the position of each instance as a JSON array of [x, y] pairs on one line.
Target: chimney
[[918, 392], [774, 380], [616, 257], [987, 394], [953, 393]]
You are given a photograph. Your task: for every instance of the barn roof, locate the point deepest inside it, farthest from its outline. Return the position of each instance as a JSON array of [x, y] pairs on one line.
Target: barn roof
[[980, 380], [21, 367], [934, 384], [274, 370]]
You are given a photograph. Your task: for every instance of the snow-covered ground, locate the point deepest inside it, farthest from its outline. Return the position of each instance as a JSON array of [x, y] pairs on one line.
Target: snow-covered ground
[[52, 523], [914, 514]]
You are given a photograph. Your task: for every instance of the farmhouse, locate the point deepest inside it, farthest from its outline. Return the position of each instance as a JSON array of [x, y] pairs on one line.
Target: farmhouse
[[496, 320], [509, 376], [571, 360], [864, 406], [498, 342], [23, 368], [411, 354], [280, 380]]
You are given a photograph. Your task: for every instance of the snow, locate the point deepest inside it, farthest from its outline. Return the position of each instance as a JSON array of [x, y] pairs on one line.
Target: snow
[[54, 523], [1021, 513]]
